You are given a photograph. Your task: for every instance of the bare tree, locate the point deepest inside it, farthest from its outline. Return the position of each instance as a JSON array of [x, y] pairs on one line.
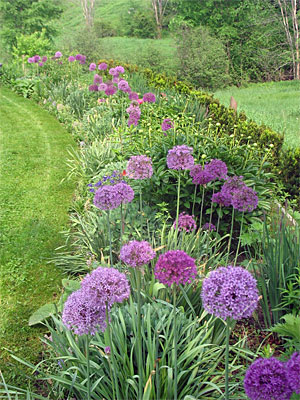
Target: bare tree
[[159, 8], [289, 10], [88, 9]]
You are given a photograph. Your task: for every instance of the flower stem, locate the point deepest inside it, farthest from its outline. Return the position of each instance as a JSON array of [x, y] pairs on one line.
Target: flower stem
[[114, 380], [227, 359], [139, 334], [239, 242], [177, 208], [122, 225], [201, 211], [109, 233], [175, 342], [231, 231], [87, 351], [194, 201]]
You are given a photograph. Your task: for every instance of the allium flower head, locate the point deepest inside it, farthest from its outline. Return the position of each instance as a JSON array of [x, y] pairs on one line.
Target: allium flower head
[[175, 266], [116, 79], [167, 124], [58, 54], [92, 67], [179, 157], [200, 175], [110, 90], [83, 315], [125, 192], [30, 60], [133, 96], [71, 59], [113, 72], [102, 66], [230, 292], [93, 88], [233, 184], [185, 223], [266, 379], [123, 85], [106, 286], [149, 97], [208, 227], [36, 59], [102, 86], [41, 64], [107, 198], [217, 168], [137, 253], [222, 198], [97, 79], [244, 199], [82, 61], [119, 69], [44, 59], [78, 57], [293, 372], [139, 167]]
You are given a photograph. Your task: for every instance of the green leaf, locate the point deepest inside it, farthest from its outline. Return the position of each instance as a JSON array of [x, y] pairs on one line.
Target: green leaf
[[42, 313], [71, 285]]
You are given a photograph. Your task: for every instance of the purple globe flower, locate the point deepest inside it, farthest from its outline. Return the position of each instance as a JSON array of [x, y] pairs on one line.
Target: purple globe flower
[[167, 124], [106, 286], [200, 175], [107, 198], [185, 223], [125, 192], [222, 198], [230, 292], [58, 54], [36, 59], [139, 167], [111, 90], [123, 85], [175, 266], [134, 113], [93, 88], [102, 86], [244, 199], [78, 57], [113, 72], [30, 60], [209, 227], [179, 157], [149, 97], [232, 185], [82, 61], [41, 64], [82, 314], [266, 379], [44, 59], [97, 79], [71, 59], [217, 168], [116, 79], [293, 372], [102, 66], [133, 96], [119, 69], [137, 253], [92, 67]]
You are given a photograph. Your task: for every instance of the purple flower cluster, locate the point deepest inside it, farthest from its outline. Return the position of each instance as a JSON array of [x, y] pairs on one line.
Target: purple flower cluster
[[137, 253], [200, 175], [267, 379], [186, 223], [71, 59], [92, 67], [293, 372], [110, 90], [123, 85], [230, 292], [179, 157], [102, 66], [175, 266], [93, 88], [167, 124], [133, 96], [125, 192], [98, 79], [139, 167], [149, 97], [221, 198], [115, 177], [58, 54], [217, 168], [109, 197], [134, 112], [209, 227]]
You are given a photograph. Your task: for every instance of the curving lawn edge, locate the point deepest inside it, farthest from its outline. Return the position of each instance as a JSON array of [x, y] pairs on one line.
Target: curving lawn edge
[[33, 212]]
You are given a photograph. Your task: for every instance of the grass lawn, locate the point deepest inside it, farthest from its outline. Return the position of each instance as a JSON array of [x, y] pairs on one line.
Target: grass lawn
[[34, 206], [276, 104]]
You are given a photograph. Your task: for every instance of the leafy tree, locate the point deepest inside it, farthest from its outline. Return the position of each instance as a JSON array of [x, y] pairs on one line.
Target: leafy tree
[[26, 17], [29, 45]]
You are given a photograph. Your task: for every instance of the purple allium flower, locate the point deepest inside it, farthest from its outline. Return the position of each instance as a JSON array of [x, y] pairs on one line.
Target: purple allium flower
[[58, 54], [266, 379], [36, 59], [71, 59], [119, 69], [44, 59], [93, 88], [106, 286], [233, 184], [293, 372], [230, 292], [82, 61], [133, 96], [107, 198], [139, 167], [123, 85], [83, 315], [217, 168], [113, 72], [244, 199], [167, 124], [125, 192], [30, 60], [102, 66], [107, 350], [185, 223], [78, 57], [200, 175], [137, 253], [179, 157], [111, 90], [175, 266], [102, 86], [92, 67], [209, 227], [41, 64], [97, 79], [116, 79], [224, 199], [149, 97]]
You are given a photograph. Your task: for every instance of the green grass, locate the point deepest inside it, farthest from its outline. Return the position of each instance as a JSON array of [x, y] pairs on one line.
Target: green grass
[[34, 209], [276, 104]]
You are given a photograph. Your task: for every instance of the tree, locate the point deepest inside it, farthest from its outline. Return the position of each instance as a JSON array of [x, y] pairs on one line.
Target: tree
[[88, 8], [159, 8]]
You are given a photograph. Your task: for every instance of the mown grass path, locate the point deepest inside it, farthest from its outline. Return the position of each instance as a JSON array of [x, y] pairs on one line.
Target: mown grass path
[[33, 210]]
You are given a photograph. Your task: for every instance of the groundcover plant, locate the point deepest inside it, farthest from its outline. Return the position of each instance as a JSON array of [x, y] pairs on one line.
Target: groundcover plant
[[166, 249]]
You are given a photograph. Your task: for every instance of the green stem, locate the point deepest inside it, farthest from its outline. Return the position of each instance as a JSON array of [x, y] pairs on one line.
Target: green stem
[[194, 201], [141, 202], [139, 334], [211, 207], [109, 233], [218, 223], [87, 351], [122, 226], [231, 231], [227, 360], [177, 207], [239, 242], [175, 342], [114, 381], [202, 201]]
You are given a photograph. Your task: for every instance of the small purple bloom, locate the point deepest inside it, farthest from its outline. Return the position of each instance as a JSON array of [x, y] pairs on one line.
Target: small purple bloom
[[111, 90], [30, 60], [93, 88], [149, 97], [221, 198], [200, 175], [44, 59], [119, 69], [244, 199], [36, 59], [139, 167], [97, 79], [82, 61], [134, 113], [167, 124], [179, 157], [116, 79], [107, 198], [175, 266], [102, 86], [58, 54], [107, 350], [293, 372], [125, 191], [185, 223], [133, 96], [217, 168], [92, 67], [137, 253], [123, 85], [230, 292], [78, 57], [113, 72], [102, 66], [71, 59], [41, 64], [209, 227], [233, 184], [267, 379]]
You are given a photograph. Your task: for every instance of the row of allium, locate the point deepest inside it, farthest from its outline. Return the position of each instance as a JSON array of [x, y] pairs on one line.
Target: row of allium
[[165, 219]]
